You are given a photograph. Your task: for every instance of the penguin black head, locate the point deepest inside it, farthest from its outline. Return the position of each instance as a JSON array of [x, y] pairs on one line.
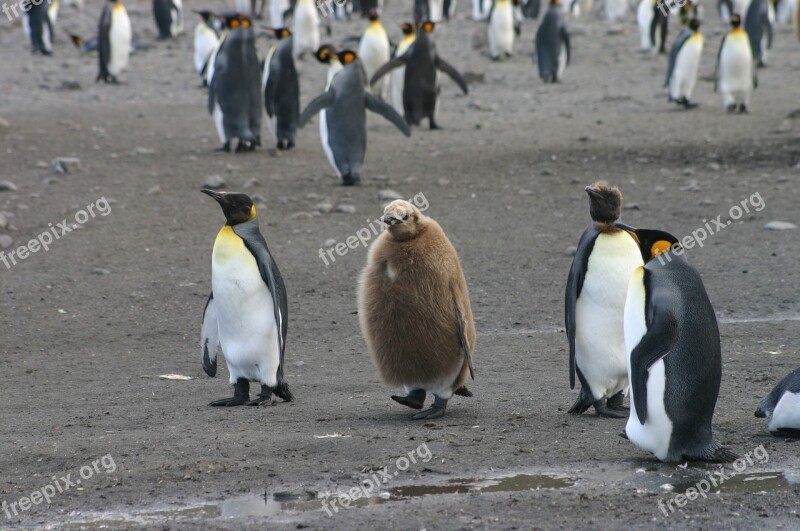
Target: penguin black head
[[736, 20], [325, 53], [407, 27], [655, 242], [238, 208], [281, 33], [605, 202], [235, 21], [77, 40], [427, 26], [555, 2], [694, 24], [373, 15], [205, 15], [403, 220], [347, 56]]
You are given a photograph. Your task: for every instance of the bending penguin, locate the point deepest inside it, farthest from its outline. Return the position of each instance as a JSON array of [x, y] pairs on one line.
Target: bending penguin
[[735, 74], [684, 62], [114, 40], [234, 89], [373, 51], [398, 74], [38, 27], [169, 18], [651, 16], [281, 90], [421, 86], [247, 311], [781, 407], [206, 40], [552, 44], [345, 105], [594, 304], [415, 313], [674, 355]]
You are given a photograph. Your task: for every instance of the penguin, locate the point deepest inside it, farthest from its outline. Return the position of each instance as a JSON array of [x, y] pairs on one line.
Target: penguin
[[234, 91], [530, 8], [684, 62], [758, 25], [674, 356], [552, 44], [52, 11], [594, 303], [247, 311], [448, 9], [373, 51], [781, 407], [481, 8], [306, 28], [38, 28], [169, 18], [735, 74], [344, 105], [501, 29], [277, 12], [281, 90], [688, 13], [85, 46], [414, 310], [652, 19], [327, 55], [206, 40], [615, 9], [579, 7], [421, 85], [725, 8], [397, 79], [422, 11], [114, 41]]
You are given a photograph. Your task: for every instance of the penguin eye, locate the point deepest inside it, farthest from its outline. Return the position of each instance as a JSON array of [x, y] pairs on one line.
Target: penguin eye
[[405, 217]]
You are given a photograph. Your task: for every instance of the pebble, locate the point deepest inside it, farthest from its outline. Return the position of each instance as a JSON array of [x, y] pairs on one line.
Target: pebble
[[5, 241], [631, 206], [100, 271], [7, 186], [330, 242], [713, 166], [388, 195], [154, 190], [3, 222], [570, 251], [66, 164], [144, 151], [779, 225], [545, 172], [301, 215], [707, 202], [660, 189], [346, 209], [523, 191], [380, 178], [41, 164], [4, 124], [323, 208], [52, 180], [251, 183], [443, 182], [215, 182], [691, 187], [313, 197], [687, 171]]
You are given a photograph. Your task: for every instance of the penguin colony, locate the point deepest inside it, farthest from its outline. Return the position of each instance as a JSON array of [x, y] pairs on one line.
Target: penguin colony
[[638, 320]]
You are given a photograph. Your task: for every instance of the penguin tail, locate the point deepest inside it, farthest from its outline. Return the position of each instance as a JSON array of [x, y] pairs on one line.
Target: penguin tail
[[282, 391], [583, 403], [463, 391], [716, 453]]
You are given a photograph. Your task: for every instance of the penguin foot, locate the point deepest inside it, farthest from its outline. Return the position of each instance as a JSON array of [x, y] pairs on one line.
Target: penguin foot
[[350, 179], [791, 433], [264, 397], [731, 108], [583, 403], [241, 394], [742, 108], [463, 391], [415, 399], [615, 403], [436, 411], [603, 412], [434, 125]]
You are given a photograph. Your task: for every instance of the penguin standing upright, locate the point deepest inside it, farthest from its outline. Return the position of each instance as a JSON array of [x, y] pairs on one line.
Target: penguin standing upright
[[374, 52], [652, 18], [234, 91], [206, 40], [501, 29], [52, 11], [552, 44], [674, 356], [758, 25], [169, 18], [414, 310], [684, 61], [281, 90], [327, 55], [736, 73], [481, 8], [344, 104], [594, 303], [530, 8], [38, 28], [781, 407], [114, 41], [277, 12], [306, 28], [421, 85], [247, 311], [398, 75]]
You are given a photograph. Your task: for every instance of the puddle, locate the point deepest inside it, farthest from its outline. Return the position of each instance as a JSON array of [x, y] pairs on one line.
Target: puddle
[[754, 482]]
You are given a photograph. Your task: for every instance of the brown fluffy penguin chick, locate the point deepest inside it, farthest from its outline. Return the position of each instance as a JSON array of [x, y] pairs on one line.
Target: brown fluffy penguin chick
[[414, 309]]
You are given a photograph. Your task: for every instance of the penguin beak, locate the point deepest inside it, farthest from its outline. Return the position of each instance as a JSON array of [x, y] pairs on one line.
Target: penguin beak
[[218, 196], [592, 192], [390, 220]]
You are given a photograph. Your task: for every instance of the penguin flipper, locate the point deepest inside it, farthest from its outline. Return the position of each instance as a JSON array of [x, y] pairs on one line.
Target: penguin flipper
[[104, 43], [565, 41], [319, 103], [462, 339], [673, 54], [577, 273], [716, 67], [391, 65], [209, 337], [656, 343], [448, 69], [378, 106]]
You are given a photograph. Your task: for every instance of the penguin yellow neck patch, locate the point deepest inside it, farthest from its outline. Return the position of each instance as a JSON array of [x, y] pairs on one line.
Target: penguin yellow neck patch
[[228, 245]]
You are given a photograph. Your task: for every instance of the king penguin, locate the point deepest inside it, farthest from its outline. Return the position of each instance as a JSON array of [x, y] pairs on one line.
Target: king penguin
[[234, 92], [169, 18], [206, 40], [758, 25], [38, 28], [114, 41], [652, 19], [552, 44], [398, 74], [736, 73], [344, 104], [374, 52], [781, 407], [674, 356], [414, 310], [247, 311], [501, 29], [422, 85], [594, 303], [281, 90], [306, 28], [684, 62]]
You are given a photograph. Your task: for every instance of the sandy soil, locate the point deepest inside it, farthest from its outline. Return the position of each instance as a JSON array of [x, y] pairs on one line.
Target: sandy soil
[[89, 325]]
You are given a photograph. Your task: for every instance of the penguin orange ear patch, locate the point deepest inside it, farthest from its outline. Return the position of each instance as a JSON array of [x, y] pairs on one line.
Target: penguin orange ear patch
[[660, 247], [246, 23], [347, 57], [234, 23], [428, 26]]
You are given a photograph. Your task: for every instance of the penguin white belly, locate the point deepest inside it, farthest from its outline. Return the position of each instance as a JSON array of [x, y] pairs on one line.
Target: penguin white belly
[[120, 38], [724, 14], [245, 312], [204, 44], [47, 39], [323, 136], [211, 63], [599, 314], [654, 436], [644, 18], [501, 30], [441, 387], [373, 50], [217, 115], [276, 10], [176, 27], [684, 74], [435, 10], [786, 413], [562, 59], [26, 26], [398, 82], [480, 9], [272, 121], [736, 70], [306, 28]]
